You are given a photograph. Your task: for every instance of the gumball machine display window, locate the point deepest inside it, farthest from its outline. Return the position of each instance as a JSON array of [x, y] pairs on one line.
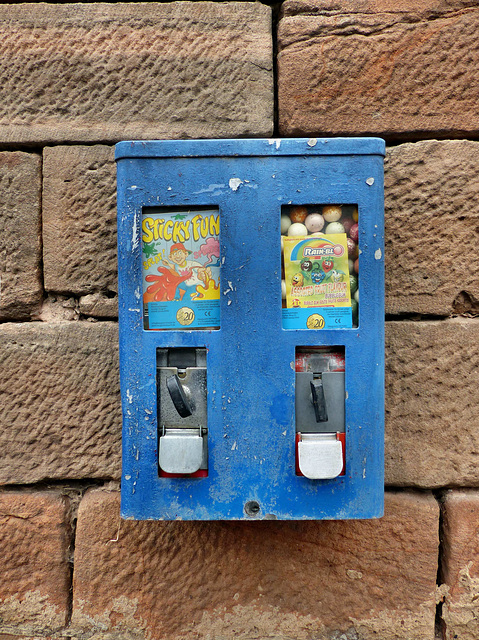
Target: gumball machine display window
[[320, 266]]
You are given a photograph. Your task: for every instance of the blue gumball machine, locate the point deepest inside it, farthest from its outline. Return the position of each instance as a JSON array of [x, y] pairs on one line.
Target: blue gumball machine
[[251, 309]]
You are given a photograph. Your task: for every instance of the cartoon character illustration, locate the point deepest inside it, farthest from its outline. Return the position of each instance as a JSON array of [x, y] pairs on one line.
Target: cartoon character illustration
[[336, 275], [296, 303], [306, 265], [317, 276], [327, 265], [297, 280], [166, 284], [197, 273]]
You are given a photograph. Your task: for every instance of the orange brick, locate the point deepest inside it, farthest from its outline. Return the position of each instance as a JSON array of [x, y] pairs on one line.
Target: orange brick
[[199, 580], [34, 589], [461, 565]]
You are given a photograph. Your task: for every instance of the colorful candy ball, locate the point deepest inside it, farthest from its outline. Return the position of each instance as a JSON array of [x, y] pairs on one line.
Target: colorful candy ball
[[353, 284], [356, 265], [283, 289], [355, 215], [297, 229], [285, 224], [298, 214], [332, 213], [351, 265], [314, 222], [354, 232], [334, 227], [352, 248], [347, 224]]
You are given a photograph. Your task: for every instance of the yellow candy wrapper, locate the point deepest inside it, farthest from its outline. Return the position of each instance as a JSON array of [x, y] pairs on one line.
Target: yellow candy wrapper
[[317, 277]]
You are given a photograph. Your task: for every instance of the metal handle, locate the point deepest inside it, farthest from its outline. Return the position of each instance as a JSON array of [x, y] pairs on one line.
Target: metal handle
[[319, 401], [178, 396]]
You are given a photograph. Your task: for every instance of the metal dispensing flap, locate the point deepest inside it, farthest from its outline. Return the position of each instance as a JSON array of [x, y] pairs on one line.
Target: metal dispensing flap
[[320, 456]]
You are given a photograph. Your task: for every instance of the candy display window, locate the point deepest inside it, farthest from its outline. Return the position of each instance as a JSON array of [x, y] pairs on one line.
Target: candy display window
[[320, 266]]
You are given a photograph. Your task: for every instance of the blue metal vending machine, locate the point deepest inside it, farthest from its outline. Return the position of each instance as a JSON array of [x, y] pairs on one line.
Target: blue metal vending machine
[[251, 295]]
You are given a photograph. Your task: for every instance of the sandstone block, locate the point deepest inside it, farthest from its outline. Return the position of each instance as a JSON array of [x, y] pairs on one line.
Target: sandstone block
[[460, 566], [79, 219], [432, 435], [431, 209], [108, 72], [60, 400], [20, 237], [230, 580], [379, 67], [33, 563]]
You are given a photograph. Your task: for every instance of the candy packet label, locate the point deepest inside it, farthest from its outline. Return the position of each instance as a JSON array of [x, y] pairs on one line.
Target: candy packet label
[[181, 269], [317, 282]]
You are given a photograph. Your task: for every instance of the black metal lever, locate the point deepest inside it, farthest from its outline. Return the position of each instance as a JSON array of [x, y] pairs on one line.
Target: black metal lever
[[178, 396], [319, 401]]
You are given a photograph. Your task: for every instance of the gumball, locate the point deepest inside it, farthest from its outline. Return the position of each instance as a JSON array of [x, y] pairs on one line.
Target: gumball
[[318, 234], [298, 214], [356, 265], [285, 224], [354, 306], [347, 224], [351, 266], [314, 222], [356, 296], [297, 229], [354, 233], [355, 215], [352, 248], [283, 289], [332, 213], [334, 227], [353, 284]]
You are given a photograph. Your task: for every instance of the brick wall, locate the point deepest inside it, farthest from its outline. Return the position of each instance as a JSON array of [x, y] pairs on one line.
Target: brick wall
[[76, 78]]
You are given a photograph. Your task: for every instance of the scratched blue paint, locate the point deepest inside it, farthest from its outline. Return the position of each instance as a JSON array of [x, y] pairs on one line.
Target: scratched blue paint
[[251, 428]]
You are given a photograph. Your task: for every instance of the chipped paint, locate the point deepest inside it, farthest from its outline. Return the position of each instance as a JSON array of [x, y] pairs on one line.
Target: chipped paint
[[370, 182], [135, 238], [275, 141], [312, 142], [235, 183], [378, 254], [210, 188]]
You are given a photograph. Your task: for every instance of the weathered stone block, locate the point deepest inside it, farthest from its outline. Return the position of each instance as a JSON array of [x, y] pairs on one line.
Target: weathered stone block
[[79, 219], [257, 579], [108, 72], [432, 395], [363, 66], [20, 235], [60, 400], [431, 205], [460, 565], [34, 589]]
